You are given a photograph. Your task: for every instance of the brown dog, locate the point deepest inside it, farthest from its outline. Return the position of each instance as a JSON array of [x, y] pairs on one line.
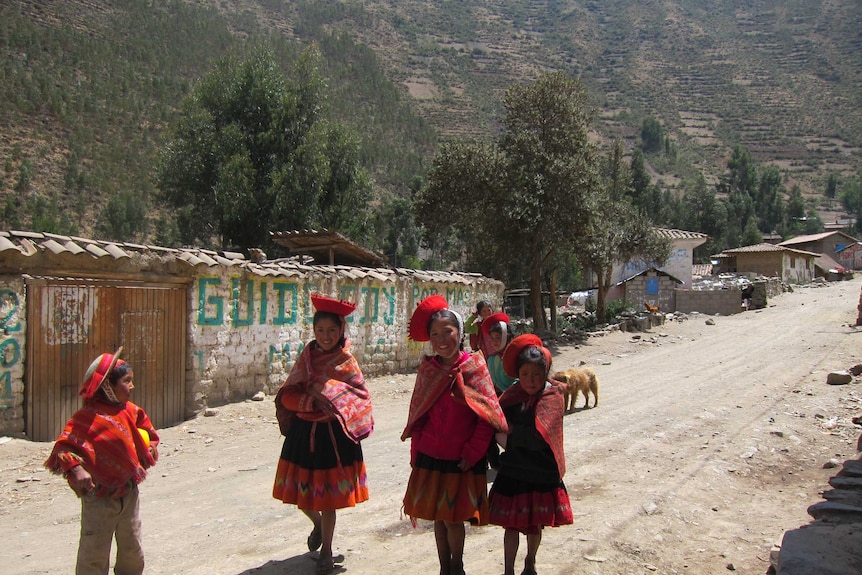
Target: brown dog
[[576, 381]]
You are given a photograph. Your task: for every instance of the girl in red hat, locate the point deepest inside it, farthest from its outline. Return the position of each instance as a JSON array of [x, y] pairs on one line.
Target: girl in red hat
[[528, 493], [324, 411], [496, 332], [454, 413], [103, 452]]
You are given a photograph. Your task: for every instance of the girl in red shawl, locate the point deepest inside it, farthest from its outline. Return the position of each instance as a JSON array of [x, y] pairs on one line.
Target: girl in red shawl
[[528, 493], [454, 413], [324, 410], [103, 453]]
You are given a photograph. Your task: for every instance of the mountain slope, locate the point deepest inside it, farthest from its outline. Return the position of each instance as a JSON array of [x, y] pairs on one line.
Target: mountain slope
[[89, 90]]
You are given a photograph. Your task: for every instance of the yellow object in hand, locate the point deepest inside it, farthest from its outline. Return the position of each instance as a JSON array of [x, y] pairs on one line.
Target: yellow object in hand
[[145, 435]]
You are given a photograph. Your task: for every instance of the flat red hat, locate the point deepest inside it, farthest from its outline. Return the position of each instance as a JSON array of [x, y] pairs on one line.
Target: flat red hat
[[493, 320], [98, 372], [339, 307], [510, 356], [417, 329]]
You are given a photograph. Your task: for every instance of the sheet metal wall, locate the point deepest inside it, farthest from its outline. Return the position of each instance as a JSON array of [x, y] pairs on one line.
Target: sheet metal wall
[[70, 322]]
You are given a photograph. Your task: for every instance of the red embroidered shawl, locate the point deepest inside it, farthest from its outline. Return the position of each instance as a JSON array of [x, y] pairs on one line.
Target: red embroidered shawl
[[335, 375], [549, 407], [467, 380], [104, 438]]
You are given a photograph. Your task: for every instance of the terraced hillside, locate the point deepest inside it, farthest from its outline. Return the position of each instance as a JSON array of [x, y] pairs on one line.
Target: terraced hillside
[[783, 78]]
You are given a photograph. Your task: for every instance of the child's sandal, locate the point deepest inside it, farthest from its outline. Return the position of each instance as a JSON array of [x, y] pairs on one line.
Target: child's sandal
[[315, 539], [324, 566]]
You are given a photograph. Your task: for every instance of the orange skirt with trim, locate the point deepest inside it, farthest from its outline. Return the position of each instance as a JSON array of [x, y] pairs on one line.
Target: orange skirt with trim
[[439, 491], [320, 468]]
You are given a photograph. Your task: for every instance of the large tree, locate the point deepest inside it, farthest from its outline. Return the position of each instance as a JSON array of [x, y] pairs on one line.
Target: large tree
[[255, 153], [519, 198]]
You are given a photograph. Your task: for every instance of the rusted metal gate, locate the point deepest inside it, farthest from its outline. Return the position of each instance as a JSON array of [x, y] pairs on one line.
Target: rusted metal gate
[[70, 322]]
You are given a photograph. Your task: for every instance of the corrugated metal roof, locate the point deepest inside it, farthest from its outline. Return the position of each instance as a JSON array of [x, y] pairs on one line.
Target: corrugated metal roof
[[37, 249]]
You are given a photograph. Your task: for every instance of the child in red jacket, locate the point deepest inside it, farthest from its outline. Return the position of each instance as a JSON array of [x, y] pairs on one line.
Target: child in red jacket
[[103, 452]]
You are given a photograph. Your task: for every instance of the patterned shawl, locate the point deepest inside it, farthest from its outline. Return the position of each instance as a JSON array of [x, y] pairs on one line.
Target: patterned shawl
[[337, 377], [467, 380], [104, 438], [549, 408]]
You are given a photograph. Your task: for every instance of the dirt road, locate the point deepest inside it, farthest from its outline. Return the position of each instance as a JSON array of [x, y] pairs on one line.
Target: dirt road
[[708, 443]]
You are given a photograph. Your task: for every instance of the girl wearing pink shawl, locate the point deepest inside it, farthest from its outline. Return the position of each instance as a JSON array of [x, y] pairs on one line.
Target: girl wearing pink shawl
[[324, 410], [528, 493], [454, 413]]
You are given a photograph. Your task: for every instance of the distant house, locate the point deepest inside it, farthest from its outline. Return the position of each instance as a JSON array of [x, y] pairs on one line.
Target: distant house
[[850, 256], [652, 286], [678, 265], [789, 264], [828, 243]]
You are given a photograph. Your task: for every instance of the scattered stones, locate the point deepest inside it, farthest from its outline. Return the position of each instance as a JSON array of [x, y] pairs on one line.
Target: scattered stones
[[710, 321], [842, 377], [832, 463], [856, 369], [650, 508], [210, 412], [259, 396]]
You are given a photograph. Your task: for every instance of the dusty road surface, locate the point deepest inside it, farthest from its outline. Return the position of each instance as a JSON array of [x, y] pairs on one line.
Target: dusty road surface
[[708, 443]]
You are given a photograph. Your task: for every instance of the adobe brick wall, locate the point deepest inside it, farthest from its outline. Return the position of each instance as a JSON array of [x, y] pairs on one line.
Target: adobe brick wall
[[13, 332], [710, 302], [246, 331]]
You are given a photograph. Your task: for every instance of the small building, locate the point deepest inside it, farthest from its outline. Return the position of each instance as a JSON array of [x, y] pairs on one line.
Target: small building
[[678, 264], [651, 286], [828, 243], [791, 265], [850, 256]]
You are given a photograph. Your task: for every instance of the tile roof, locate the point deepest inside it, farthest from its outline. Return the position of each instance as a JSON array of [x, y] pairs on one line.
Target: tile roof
[[814, 238], [30, 252], [675, 234], [762, 248]]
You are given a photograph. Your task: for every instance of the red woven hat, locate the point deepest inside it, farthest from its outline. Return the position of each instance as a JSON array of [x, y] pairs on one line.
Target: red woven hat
[[493, 320], [339, 307], [417, 329], [510, 356], [98, 372]]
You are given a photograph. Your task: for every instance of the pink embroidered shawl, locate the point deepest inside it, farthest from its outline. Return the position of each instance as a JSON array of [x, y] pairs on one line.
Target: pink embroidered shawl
[[337, 377], [467, 380]]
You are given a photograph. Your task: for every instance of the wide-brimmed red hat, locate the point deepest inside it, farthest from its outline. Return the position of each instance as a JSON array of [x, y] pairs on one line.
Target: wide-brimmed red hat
[[98, 372], [339, 307], [417, 329], [510, 356], [493, 320]]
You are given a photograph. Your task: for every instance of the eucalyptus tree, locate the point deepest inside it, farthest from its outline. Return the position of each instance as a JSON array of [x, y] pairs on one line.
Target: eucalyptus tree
[[519, 199], [254, 152]]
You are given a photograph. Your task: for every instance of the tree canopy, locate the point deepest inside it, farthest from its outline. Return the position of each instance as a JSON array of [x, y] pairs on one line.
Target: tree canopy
[[255, 153], [535, 194]]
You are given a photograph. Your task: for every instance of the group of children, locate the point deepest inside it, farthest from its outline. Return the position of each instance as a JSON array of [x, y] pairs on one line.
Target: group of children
[[463, 406]]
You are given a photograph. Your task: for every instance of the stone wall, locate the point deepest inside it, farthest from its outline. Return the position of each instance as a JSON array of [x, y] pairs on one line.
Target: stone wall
[[247, 325], [711, 302], [246, 330], [13, 331]]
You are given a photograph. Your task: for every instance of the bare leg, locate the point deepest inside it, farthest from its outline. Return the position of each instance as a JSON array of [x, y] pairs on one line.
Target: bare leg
[[443, 553], [511, 540], [316, 519], [455, 534], [533, 542], [327, 525]]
